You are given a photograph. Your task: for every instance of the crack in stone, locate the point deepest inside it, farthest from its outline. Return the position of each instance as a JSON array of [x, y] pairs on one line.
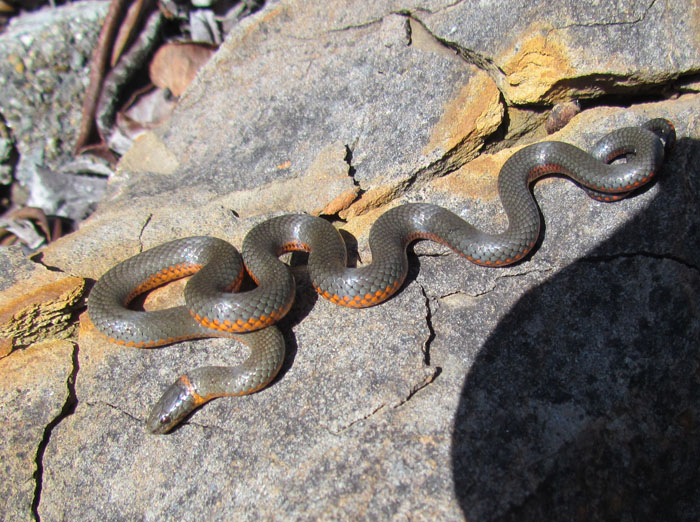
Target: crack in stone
[[637, 20], [643, 254], [504, 277], [429, 324], [37, 257], [67, 410], [143, 230], [347, 426], [496, 282], [417, 386], [351, 168], [420, 386], [361, 25], [470, 56], [450, 294], [207, 427], [117, 408], [443, 8], [412, 392]]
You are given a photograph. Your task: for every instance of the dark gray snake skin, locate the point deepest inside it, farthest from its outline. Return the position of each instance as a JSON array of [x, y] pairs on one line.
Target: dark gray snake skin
[[212, 310]]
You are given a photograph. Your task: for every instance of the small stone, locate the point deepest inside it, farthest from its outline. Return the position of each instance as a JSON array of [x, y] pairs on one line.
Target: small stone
[[561, 115]]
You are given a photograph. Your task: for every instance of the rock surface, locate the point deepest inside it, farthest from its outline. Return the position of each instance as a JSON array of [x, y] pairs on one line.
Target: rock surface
[[44, 68], [565, 387], [35, 303], [31, 403]]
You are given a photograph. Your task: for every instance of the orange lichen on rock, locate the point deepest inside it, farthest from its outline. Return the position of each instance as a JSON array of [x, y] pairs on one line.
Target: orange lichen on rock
[[38, 309], [374, 198], [534, 68], [476, 179], [468, 119], [340, 203]]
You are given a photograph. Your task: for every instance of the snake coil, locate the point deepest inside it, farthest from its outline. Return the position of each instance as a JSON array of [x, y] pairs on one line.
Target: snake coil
[[213, 310]]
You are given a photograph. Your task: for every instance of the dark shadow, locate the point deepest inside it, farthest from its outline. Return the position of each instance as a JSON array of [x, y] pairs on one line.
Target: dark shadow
[[584, 402], [304, 302], [351, 247]]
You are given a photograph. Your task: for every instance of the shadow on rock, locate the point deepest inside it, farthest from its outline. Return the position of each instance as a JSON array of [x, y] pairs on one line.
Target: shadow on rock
[[583, 403]]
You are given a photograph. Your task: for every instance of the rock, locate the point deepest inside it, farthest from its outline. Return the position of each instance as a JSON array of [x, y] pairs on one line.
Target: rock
[[44, 67], [588, 411], [553, 51], [352, 95], [7, 151], [562, 387], [33, 396], [36, 304]]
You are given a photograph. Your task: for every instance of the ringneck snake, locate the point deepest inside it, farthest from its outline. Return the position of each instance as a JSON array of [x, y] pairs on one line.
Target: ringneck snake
[[214, 309]]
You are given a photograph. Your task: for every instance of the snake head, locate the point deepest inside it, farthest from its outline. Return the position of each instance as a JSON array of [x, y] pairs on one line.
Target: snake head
[[177, 401]]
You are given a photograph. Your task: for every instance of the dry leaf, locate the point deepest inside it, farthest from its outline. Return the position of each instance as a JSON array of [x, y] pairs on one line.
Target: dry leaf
[[130, 64], [135, 15], [21, 224], [98, 67], [6, 8], [175, 65], [147, 108]]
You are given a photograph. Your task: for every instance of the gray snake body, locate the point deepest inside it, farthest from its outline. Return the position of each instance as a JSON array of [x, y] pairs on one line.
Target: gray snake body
[[212, 310]]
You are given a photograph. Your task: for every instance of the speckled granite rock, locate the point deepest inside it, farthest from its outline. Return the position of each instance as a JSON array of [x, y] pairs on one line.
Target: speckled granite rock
[[562, 388], [44, 66]]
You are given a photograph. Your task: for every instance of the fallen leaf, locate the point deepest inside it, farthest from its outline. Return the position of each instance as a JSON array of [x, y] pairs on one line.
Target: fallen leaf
[[130, 26], [175, 65], [98, 67], [147, 109], [6, 8], [21, 224]]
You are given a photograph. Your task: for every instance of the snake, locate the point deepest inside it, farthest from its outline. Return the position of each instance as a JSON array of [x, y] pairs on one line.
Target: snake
[[214, 308]]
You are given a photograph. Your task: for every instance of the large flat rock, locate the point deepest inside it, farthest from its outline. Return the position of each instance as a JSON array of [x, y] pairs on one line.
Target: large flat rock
[[564, 387]]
